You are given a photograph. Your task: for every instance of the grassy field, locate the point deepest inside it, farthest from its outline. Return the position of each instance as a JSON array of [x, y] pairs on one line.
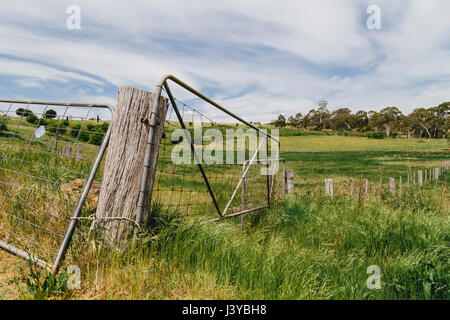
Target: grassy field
[[305, 247]]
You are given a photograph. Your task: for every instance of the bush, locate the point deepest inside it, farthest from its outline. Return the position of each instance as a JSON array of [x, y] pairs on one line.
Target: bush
[[77, 132], [376, 135], [21, 112], [104, 126], [50, 114], [56, 127], [3, 127], [394, 135], [31, 118], [97, 137]]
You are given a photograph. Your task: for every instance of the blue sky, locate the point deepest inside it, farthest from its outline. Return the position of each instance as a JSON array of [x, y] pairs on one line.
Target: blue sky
[[258, 58]]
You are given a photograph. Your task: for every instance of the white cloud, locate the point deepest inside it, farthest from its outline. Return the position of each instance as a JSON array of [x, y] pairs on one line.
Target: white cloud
[[262, 57]]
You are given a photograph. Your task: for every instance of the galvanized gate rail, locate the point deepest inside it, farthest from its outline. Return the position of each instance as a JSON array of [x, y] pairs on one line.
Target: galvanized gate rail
[[66, 238], [145, 192]]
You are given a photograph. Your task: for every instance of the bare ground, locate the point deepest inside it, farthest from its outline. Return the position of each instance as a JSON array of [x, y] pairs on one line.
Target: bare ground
[[8, 270]]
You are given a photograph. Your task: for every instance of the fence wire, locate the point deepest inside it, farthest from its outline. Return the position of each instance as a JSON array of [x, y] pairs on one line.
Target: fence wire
[[47, 153], [181, 188]]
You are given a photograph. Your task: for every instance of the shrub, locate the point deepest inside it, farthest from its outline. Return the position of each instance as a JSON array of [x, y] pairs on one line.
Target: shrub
[[96, 138], [21, 112], [376, 135], [50, 114], [3, 127], [104, 126], [32, 118], [56, 127], [77, 132]]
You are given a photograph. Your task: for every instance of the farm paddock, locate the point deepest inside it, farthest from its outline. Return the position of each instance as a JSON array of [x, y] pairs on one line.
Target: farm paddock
[[306, 247]]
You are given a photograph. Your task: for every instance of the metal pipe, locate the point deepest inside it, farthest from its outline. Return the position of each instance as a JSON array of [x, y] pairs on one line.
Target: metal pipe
[[188, 137], [245, 173], [144, 190], [24, 255], [202, 96], [77, 212]]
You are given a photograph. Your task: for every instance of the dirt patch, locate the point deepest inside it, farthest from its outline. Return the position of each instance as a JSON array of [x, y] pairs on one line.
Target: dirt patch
[[8, 270]]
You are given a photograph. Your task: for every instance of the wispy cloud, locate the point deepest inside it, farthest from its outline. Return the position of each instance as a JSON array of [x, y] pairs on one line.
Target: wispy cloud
[[258, 58]]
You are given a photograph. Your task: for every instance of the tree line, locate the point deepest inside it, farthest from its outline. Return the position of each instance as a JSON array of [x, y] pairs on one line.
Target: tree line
[[422, 122], [90, 133]]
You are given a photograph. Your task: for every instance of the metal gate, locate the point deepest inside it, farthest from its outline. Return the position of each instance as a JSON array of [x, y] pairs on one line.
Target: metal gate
[[196, 189], [50, 172]]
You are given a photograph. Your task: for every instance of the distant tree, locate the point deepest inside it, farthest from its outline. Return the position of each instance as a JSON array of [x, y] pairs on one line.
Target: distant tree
[[421, 120], [298, 120], [341, 119], [32, 118], [50, 114], [360, 120], [291, 122], [21, 112], [280, 122], [319, 119], [388, 119]]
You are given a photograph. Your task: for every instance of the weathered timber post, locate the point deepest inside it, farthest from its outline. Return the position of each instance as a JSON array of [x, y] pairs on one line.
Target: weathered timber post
[[420, 178], [392, 185], [79, 156], [122, 177], [351, 188], [436, 174], [329, 187], [288, 181], [381, 189], [366, 188], [400, 183]]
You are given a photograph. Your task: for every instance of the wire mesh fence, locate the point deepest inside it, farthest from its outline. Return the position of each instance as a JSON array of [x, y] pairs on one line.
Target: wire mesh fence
[[49, 156], [211, 165]]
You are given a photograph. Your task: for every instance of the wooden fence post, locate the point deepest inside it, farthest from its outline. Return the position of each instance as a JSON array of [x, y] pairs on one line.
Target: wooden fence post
[[288, 181], [366, 188], [329, 187], [436, 174], [392, 185], [420, 178], [79, 156], [118, 200], [351, 187]]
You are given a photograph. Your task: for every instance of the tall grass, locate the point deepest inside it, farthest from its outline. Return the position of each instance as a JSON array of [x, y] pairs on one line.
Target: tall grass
[[303, 248]]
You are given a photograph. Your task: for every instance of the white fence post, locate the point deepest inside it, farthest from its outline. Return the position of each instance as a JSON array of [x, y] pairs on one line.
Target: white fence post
[[79, 152], [329, 187], [392, 185], [420, 178], [436, 174], [289, 181]]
